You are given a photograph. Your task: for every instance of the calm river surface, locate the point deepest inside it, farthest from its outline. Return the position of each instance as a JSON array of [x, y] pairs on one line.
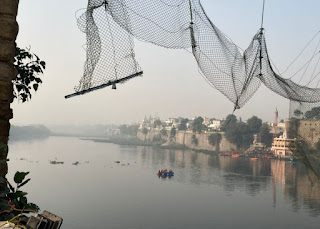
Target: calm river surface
[[206, 191]]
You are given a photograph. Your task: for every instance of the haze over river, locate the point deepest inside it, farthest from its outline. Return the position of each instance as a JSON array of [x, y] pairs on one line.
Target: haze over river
[[207, 191]]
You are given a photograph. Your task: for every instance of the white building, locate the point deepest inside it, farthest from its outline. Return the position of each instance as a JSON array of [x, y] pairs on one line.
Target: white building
[[282, 146], [215, 124]]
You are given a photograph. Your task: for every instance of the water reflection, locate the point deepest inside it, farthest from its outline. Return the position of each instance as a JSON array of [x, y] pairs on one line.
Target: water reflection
[[293, 180], [252, 177]]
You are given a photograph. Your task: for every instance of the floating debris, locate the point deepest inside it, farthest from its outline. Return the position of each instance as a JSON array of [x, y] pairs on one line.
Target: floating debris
[[56, 162], [76, 163]]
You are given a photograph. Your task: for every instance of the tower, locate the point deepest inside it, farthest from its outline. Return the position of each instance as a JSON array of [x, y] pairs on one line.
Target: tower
[[275, 124]]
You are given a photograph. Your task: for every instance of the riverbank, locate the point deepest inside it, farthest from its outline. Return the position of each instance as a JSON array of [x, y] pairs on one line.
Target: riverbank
[[139, 142]]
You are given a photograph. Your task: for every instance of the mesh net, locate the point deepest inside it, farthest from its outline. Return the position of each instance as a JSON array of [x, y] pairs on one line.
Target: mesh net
[[109, 47], [177, 24]]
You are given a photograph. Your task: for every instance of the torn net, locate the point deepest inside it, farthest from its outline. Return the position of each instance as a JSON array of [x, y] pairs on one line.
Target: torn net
[[177, 24], [109, 48]]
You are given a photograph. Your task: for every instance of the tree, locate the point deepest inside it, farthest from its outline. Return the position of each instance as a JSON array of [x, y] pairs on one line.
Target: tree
[[313, 114], [157, 123], [239, 134], [214, 140], [293, 127], [297, 113], [8, 34], [254, 124], [265, 135], [173, 132], [130, 130], [29, 66], [197, 125], [133, 130], [183, 124], [163, 132], [145, 132], [230, 119], [194, 140]]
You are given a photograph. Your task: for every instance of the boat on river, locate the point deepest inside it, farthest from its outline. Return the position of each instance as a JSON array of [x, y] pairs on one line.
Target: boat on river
[[236, 155], [254, 159], [225, 154], [165, 173]]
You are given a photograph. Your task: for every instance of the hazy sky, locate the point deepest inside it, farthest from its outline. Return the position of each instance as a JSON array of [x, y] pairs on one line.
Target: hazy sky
[[171, 85]]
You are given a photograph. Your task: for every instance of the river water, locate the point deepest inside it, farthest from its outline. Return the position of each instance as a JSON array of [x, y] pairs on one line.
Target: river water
[[90, 190]]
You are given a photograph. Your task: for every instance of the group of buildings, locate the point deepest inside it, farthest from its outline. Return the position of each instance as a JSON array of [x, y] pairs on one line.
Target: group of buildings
[[282, 145], [150, 122], [288, 133]]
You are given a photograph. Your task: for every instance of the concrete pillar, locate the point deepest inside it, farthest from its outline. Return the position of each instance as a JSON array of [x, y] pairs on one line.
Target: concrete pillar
[[8, 33]]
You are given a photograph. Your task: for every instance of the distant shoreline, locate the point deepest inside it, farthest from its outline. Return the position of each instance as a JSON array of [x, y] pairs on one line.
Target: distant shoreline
[[138, 142], [27, 133], [55, 134]]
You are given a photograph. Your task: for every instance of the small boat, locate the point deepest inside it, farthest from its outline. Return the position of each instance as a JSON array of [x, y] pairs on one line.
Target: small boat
[[254, 159], [165, 173], [226, 154], [236, 155]]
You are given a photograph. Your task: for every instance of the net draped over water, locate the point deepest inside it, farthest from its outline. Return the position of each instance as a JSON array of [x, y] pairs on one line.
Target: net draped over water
[[110, 27]]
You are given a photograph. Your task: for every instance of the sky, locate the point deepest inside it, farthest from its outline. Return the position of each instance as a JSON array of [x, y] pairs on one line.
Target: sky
[[171, 85]]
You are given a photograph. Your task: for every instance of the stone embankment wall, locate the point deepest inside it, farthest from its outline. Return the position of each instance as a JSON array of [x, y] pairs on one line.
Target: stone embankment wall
[[309, 131], [185, 138]]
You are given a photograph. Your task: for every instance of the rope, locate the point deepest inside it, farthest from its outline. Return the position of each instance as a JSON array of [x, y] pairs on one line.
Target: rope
[[314, 53], [306, 64], [314, 71], [262, 14], [12, 224], [190, 8], [300, 53], [26, 210]]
